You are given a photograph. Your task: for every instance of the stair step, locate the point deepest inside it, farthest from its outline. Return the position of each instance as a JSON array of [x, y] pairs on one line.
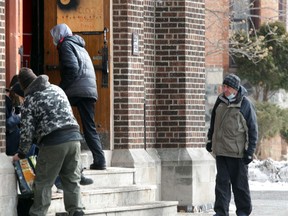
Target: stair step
[[114, 193], [111, 177], [157, 208], [108, 197]]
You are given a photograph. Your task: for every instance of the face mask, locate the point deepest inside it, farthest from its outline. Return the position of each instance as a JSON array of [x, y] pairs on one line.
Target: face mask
[[231, 96]]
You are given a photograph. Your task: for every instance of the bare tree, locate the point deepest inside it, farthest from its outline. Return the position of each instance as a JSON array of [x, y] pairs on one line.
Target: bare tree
[[234, 24]]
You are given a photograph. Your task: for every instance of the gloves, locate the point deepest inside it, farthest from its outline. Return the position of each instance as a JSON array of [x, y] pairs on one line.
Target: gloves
[[209, 146], [247, 158]]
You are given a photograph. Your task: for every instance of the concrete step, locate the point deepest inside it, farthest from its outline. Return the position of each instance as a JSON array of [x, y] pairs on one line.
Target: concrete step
[[111, 177], [157, 208], [114, 193], [108, 197]]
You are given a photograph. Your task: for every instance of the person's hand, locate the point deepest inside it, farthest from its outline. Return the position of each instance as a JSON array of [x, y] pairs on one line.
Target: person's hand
[[247, 158], [209, 146], [16, 157]]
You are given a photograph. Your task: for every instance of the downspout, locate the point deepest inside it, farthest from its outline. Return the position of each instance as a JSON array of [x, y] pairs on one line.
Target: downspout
[[145, 144]]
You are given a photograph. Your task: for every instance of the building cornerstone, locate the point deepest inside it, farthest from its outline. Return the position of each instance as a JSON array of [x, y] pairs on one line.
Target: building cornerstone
[[8, 192]]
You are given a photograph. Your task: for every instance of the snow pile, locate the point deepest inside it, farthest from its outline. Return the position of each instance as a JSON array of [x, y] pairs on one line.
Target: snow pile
[[268, 170], [268, 174]]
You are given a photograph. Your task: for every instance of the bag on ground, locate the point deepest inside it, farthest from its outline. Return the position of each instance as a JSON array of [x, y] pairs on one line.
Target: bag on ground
[[25, 173]]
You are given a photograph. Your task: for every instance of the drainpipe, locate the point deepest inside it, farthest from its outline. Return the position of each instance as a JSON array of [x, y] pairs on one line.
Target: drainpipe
[[145, 121]]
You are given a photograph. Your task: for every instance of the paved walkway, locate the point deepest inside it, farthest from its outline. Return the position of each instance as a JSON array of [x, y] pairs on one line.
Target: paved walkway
[[265, 203], [209, 213]]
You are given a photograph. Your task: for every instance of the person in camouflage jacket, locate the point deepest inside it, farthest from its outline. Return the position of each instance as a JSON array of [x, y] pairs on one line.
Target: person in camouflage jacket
[[47, 118]]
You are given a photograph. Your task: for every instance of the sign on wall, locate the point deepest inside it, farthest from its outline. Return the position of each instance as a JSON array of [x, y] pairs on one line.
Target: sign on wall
[[81, 16]]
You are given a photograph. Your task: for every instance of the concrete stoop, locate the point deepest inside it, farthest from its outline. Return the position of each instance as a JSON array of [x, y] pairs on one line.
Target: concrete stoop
[[115, 193], [157, 208], [111, 177]]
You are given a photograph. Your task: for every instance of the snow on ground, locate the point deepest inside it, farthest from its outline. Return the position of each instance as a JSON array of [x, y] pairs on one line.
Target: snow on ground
[[268, 175]]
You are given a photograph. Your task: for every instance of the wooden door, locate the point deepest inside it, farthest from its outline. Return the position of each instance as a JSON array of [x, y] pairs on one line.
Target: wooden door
[[88, 19]]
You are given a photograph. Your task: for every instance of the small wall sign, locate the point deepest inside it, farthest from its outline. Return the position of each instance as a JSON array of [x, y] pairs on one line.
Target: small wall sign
[[135, 43]]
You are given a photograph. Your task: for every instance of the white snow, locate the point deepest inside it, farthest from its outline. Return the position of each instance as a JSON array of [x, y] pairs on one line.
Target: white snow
[[268, 175]]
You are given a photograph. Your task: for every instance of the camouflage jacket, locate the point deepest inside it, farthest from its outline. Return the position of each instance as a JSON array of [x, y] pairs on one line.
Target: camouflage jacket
[[45, 109]]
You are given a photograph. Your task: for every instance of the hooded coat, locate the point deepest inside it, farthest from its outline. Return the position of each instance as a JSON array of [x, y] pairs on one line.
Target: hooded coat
[[233, 127], [78, 79]]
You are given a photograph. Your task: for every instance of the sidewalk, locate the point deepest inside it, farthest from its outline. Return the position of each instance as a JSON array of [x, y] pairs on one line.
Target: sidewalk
[[210, 212]]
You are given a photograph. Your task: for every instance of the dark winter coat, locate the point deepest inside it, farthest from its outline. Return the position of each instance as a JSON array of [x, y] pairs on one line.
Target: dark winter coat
[[233, 127], [77, 71], [12, 128]]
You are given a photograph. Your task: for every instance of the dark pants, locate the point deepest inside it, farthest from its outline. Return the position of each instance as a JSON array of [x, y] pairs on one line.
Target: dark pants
[[86, 109], [232, 171]]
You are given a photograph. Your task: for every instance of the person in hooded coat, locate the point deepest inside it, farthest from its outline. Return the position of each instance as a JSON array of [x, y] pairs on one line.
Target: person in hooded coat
[[78, 81], [232, 137]]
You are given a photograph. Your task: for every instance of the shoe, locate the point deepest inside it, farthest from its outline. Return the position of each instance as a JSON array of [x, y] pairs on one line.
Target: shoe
[[85, 181], [97, 167], [241, 214], [78, 213], [59, 186], [59, 190]]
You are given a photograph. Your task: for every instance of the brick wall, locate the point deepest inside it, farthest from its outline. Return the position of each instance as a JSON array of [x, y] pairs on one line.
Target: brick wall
[[150, 75], [180, 68], [217, 58], [2, 76], [269, 10], [272, 148], [217, 26], [128, 74], [167, 78]]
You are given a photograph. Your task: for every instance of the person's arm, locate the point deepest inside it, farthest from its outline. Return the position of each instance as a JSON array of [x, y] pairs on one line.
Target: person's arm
[[27, 129], [213, 113], [69, 65], [249, 113], [211, 128], [12, 122]]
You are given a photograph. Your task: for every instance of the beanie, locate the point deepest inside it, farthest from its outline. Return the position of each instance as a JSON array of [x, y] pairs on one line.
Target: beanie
[[232, 80], [17, 89], [13, 80], [26, 77]]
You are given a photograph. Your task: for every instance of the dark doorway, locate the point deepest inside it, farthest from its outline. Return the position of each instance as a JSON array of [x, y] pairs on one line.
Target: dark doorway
[[33, 48]]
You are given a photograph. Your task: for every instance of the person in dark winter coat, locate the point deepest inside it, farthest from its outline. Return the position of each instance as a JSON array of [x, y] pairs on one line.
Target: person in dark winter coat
[[13, 116], [78, 80], [47, 117], [232, 137], [12, 126]]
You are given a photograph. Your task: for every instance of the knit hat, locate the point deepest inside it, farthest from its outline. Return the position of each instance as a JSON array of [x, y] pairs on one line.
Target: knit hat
[[26, 77], [17, 89], [14, 80], [232, 80]]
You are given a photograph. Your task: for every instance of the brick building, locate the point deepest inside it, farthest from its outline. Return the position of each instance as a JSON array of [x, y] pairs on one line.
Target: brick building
[[221, 18], [157, 95]]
